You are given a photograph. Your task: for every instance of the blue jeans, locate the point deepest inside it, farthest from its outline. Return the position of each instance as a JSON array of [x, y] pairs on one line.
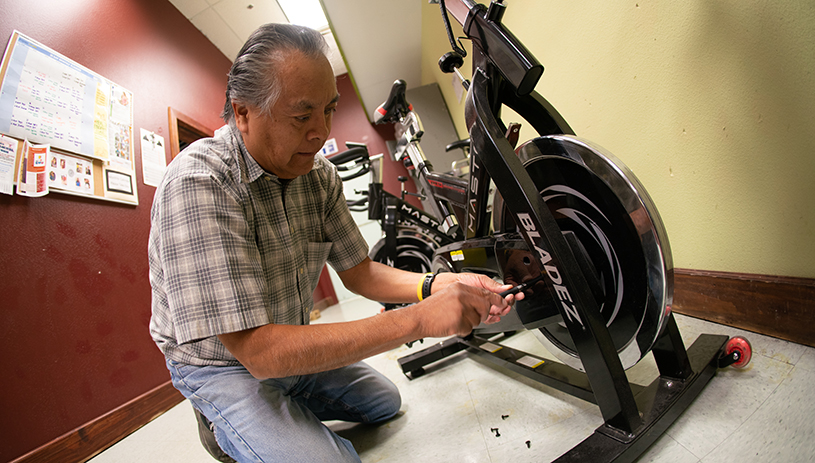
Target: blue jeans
[[280, 420]]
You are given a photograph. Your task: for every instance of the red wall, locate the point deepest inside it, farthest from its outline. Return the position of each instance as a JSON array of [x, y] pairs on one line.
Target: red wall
[[74, 289]]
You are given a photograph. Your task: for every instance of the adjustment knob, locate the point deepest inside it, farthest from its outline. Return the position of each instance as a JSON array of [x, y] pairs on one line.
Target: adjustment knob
[[450, 61]]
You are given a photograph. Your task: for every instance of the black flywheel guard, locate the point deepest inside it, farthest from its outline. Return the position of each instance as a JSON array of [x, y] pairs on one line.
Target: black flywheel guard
[[616, 235]]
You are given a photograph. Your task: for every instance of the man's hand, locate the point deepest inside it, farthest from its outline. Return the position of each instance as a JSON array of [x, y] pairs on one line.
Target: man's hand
[[483, 281], [462, 301], [480, 281], [457, 309]]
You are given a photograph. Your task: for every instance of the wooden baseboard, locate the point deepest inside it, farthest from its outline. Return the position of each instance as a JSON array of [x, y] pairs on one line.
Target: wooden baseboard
[[782, 307], [88, 440]]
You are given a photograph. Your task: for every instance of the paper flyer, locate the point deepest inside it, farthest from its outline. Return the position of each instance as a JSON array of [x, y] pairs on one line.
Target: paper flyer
[[153, 157], [101, 117], [31, 181], [71, 173], [120, 128], [8, 154], [120, 156]]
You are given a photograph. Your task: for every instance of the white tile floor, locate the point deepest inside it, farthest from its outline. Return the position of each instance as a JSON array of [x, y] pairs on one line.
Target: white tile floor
[[763, 413]]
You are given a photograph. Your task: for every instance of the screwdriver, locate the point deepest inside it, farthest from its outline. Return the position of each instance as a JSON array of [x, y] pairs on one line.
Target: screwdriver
[[520, 287]]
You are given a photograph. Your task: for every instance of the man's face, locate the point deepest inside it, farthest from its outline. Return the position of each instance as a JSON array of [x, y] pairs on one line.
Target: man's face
[[285, 141]]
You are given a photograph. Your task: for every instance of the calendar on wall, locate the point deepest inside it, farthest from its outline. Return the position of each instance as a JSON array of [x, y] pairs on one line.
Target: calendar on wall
[[48, 99]]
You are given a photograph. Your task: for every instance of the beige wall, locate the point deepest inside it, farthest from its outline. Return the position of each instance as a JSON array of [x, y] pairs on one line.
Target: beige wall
[[708, 102]]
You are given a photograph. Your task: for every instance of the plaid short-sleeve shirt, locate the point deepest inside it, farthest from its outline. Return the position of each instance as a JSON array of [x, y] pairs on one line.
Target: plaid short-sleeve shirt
[[232, 247]]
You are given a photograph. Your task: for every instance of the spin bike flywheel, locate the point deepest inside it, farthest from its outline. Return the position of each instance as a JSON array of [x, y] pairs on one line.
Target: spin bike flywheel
[[414, 250], [618, 238]]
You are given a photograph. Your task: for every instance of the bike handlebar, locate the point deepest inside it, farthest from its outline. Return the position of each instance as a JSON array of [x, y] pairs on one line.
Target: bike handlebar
[[458, 145], [353, 154], [358, 155], [356, 174], [483, 26]]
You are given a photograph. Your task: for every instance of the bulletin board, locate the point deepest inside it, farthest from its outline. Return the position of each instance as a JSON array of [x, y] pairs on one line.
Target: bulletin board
[[84, 119]]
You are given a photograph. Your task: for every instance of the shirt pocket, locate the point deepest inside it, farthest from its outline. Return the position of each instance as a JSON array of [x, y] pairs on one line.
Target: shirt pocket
[[316, 256]]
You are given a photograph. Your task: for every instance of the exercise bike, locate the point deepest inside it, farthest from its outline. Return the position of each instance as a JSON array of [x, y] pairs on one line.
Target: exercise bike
[[571, 226], [410, 236]]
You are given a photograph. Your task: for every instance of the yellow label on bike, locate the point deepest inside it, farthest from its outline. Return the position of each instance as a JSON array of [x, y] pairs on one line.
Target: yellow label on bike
[[457, 255], [490, 347], [530, 361]]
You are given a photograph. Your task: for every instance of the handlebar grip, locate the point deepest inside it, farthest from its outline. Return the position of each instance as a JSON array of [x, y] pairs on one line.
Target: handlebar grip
[[358, 153], [357, 202], [352, 145], [458, 144], [359, 173]]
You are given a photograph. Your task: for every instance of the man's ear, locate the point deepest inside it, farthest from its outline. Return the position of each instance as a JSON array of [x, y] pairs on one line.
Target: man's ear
[[241, 116]]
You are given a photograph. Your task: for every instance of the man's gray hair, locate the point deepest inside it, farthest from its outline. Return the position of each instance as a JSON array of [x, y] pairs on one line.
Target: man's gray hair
[[253, 79]]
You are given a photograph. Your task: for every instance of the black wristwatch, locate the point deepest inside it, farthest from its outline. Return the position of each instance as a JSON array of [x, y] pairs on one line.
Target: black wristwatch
[[427, 284]]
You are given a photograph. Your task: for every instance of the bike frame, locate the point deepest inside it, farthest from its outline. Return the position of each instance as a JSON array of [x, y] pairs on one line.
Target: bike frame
[[394, 213], [504, 76], [505, 73]]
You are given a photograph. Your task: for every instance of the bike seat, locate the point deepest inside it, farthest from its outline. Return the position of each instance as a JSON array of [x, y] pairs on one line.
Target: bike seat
[[395, 107]]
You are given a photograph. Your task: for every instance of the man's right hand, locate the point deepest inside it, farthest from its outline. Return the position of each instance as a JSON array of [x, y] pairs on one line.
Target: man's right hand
[[456, 310]]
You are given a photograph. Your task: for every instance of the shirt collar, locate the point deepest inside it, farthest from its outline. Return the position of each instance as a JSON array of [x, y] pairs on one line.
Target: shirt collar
[[250, 169]]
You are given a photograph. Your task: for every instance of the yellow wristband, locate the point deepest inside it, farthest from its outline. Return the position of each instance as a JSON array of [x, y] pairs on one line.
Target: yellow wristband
[[421, 284]]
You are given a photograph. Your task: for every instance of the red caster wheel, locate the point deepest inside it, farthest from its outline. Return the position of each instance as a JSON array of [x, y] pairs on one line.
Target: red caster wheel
[[737, 352]]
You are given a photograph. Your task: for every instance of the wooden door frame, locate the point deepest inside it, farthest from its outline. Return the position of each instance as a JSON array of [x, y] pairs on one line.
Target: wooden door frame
[[184, 129]]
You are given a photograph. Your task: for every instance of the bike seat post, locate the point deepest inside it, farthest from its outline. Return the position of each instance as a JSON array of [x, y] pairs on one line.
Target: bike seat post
[[402, 179]]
